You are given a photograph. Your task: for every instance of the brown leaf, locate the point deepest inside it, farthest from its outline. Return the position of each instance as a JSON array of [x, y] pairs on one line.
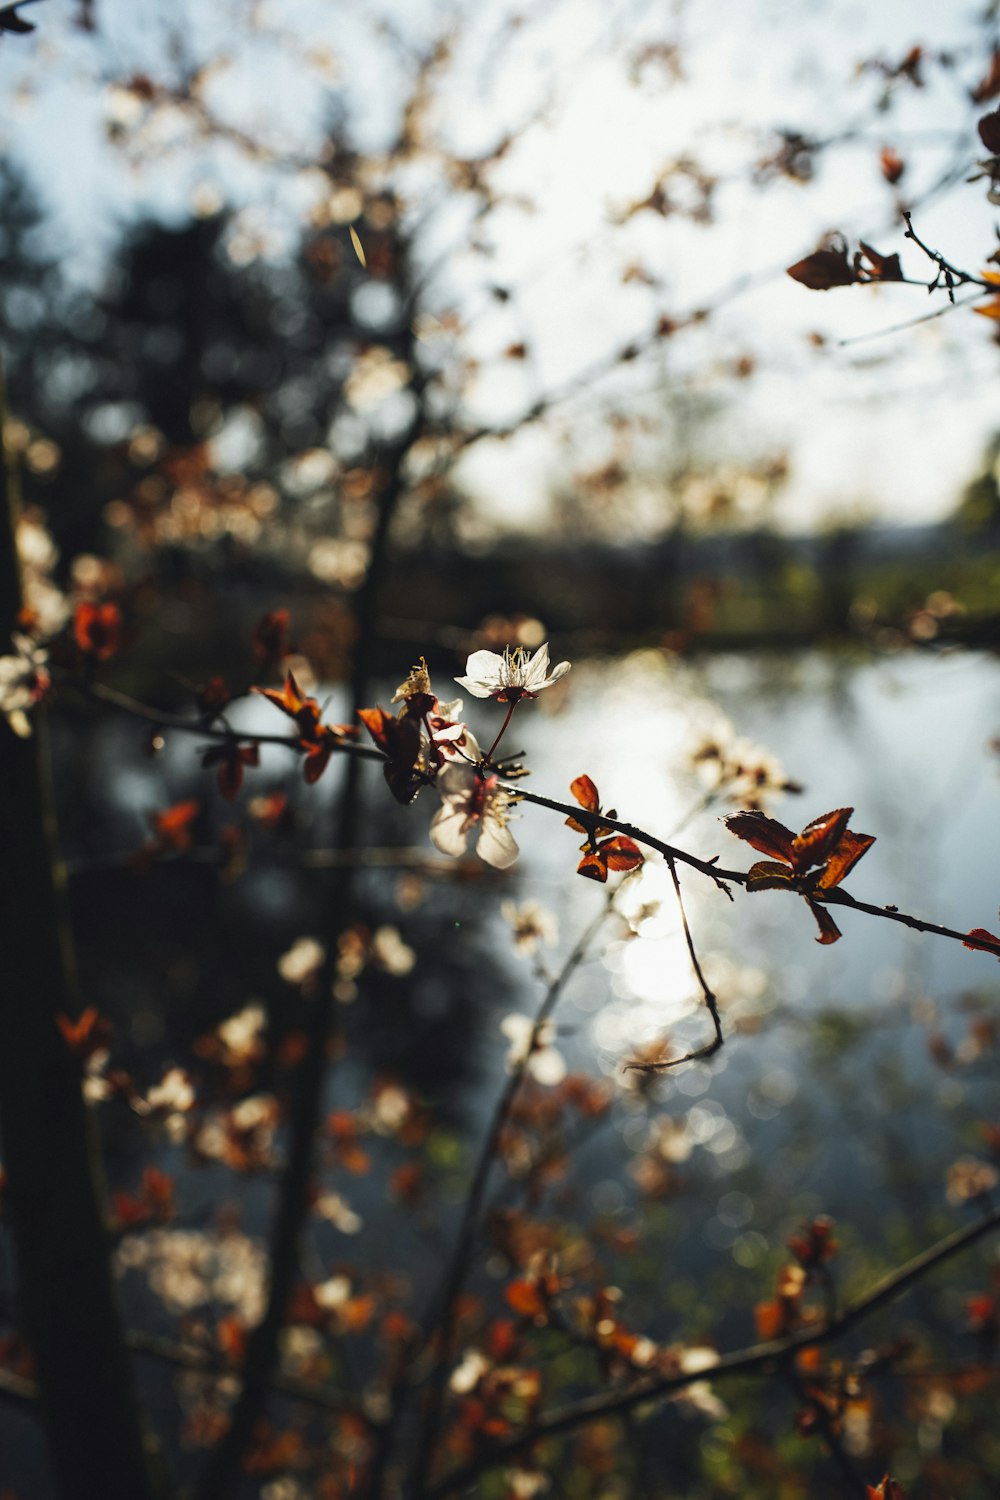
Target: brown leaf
[[989, 132], [585, 792], [829, 932], [525, 1298], [892, 164], [621, 853], [771, 1319], [762, 833], [270, 638], [767, 876], [849, 849], [817, 841], [883, 267], [827, 267]]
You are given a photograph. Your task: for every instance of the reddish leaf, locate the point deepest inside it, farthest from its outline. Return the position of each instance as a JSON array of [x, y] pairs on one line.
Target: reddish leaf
[[400, 740], [317, 759], [829, 932], [501, 1339], [980, 938], [621, 853], [771, 1319], [816, 842], [585, 792], [97, 629], [172, 826], [231, 760], [525, 1298], [232, 1338], [593, 867], [296, 704], [889, 1489], [88, 1033], [849, 849], [763, 833], [376, 721]]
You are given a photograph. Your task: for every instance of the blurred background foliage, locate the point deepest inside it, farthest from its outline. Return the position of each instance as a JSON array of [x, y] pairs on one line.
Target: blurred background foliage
[[319, 313]]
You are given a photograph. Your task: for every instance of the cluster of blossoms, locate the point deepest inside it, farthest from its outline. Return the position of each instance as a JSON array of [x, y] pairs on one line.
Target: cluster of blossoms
[[736, 769], [24, 678], [45, 613], [427, 743]]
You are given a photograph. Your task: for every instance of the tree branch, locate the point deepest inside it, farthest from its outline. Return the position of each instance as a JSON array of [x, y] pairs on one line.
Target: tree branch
[[762, 1359]]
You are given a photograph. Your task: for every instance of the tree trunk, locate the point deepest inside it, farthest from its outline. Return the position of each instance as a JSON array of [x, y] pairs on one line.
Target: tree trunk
[[67, 1303]]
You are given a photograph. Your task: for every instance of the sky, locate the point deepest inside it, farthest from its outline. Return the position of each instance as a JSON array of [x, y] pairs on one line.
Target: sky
[[600, 97]]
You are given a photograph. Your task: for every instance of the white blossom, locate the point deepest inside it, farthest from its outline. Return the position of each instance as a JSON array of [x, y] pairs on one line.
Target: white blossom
[[23, 681], [532, 924], [468, 801], [303, 961], [467, 1375], [337, 1211], [514, 675], [174, 1094], [545, 1064], [390, 953]]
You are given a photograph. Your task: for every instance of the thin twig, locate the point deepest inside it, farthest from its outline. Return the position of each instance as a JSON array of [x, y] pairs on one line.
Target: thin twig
[[939, 312], [207, 728], [441, 1318], [712, 1004]]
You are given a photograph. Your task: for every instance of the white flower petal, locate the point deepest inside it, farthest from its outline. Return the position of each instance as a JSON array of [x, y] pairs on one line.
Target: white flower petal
[[547, 1067], [450, 829], [483, 674], [517, 1029], [536, 667], [455, 781], [496, 845]]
